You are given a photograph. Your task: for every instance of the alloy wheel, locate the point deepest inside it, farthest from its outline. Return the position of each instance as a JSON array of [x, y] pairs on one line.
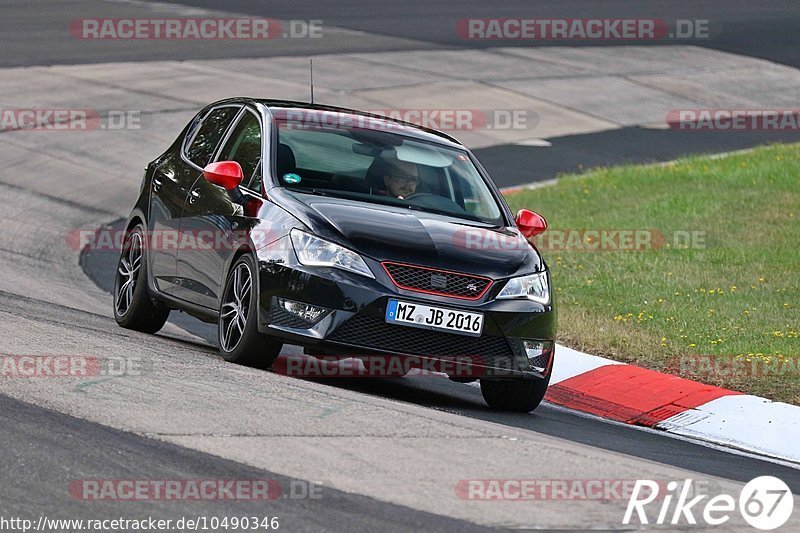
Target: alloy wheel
[[130, 262], [235, 307]]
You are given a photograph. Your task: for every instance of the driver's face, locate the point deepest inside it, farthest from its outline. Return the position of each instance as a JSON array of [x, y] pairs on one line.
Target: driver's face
[[402, 179]]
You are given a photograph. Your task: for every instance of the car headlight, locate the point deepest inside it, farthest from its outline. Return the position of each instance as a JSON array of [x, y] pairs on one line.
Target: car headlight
[[313, 251], [534, 287]]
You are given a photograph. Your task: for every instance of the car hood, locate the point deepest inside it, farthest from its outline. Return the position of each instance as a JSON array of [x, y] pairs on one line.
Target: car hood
[[388, 233]]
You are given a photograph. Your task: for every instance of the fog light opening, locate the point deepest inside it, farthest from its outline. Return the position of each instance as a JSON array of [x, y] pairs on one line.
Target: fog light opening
[[309, 313], [538, 353]]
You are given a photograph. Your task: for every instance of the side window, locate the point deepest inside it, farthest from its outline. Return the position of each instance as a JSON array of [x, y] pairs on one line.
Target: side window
[[209, 135], [244, 147]]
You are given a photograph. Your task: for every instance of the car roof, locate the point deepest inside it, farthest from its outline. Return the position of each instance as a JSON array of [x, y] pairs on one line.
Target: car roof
[[409, 129]]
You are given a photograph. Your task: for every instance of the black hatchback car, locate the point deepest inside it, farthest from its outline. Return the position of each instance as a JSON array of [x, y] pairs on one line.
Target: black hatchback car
[[343, 232]]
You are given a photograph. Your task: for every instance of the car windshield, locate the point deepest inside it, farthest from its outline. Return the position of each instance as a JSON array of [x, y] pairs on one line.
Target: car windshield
[[380, 165]]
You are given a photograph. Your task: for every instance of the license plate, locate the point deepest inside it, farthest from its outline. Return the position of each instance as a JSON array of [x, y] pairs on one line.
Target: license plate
[[435, 318]]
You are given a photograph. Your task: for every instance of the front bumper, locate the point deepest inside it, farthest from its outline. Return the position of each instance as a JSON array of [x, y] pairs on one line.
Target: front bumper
[[353, 322]]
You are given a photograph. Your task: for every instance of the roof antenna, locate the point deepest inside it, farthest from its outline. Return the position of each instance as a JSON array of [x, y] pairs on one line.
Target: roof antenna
[[311, 70]]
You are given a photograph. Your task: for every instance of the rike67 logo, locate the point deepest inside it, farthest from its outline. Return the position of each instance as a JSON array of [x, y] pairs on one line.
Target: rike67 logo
[[765, 503]]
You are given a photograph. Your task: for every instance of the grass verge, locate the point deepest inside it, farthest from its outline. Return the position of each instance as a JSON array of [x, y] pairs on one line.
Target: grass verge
[[706, 287]]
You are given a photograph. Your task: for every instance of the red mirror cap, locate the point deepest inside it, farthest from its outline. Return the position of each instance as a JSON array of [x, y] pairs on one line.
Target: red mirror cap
[[530, 224], [227, 174]]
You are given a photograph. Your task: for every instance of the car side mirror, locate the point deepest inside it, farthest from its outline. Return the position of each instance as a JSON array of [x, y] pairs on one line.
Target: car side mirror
[[226, 174], [530, 224]]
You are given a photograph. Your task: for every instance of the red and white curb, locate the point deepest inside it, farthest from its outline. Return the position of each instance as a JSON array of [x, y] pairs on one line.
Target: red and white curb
[[637, 396], [640, 397]]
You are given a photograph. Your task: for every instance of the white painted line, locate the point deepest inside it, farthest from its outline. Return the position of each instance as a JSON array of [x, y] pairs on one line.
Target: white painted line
[[671, 162], [534, 185], [534, 142]]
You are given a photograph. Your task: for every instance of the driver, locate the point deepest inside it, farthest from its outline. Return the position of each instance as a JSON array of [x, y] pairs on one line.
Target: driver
[[400, 178]]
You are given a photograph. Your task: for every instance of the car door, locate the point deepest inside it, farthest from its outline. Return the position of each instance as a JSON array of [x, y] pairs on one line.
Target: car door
[[213, 222], [171, 181]]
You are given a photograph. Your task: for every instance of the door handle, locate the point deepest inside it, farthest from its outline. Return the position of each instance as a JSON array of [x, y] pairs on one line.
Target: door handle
[[193, 196]]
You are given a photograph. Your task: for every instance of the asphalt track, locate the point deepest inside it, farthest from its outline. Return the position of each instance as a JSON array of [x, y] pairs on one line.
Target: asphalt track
[[381, 445], [44, 451], [38, 36], [443, 394], [766, 30], [513, 164]]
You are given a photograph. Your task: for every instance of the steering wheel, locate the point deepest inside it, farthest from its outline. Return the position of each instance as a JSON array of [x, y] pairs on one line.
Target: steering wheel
[[419, 195]]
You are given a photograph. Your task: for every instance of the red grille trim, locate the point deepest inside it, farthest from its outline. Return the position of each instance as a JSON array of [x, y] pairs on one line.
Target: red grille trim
[[437, 293]]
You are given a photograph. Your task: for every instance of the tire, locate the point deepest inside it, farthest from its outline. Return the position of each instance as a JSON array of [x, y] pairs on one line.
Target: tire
[[243, 344], [133, 307], [518, 395]]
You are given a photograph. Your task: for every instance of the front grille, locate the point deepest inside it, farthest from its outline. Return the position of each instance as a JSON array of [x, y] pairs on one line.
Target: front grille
[[429, 280], [373, 333]]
